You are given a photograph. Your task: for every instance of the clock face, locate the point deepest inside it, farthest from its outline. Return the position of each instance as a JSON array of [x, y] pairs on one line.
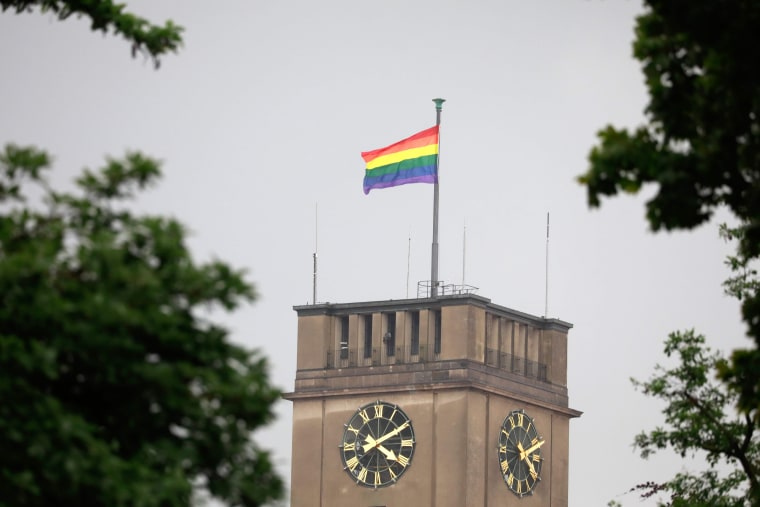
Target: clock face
[[520, 453], [378, 444]]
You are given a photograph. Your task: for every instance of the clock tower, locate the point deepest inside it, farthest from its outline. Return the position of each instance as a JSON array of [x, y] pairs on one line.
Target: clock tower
[[437, 401]]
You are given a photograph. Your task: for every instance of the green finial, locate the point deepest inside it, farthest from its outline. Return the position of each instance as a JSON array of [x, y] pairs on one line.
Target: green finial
[[439, 103]]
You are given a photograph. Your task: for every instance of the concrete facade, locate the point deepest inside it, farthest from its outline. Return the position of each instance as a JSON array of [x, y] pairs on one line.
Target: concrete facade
[[457, 365]]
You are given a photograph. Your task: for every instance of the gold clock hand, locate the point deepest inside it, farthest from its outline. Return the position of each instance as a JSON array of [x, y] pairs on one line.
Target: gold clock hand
[[366, 447], [530, 466], [370, 442], [532, 448], [388, 454]]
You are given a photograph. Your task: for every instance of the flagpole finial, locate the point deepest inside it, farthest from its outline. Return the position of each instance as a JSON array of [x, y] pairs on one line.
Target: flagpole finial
[[439, 104]]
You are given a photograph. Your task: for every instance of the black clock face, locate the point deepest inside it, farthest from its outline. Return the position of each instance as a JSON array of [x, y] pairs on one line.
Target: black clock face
[[520, 453], [378, 444]]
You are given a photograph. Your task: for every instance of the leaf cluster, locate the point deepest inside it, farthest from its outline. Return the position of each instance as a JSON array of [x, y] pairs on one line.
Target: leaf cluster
[[698, 419], [701, 145], [106, 15], [116, 391]]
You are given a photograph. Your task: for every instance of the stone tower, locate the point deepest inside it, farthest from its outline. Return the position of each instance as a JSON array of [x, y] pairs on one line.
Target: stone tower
[[444, 401]]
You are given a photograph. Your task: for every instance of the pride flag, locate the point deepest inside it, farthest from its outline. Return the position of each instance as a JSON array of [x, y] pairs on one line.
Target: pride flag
[[411, 160]]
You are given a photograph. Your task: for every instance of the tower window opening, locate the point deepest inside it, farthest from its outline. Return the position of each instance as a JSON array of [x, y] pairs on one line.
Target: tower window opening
[[389, 338], [415, 338], [367, 336], [437, 331], [344, 337]]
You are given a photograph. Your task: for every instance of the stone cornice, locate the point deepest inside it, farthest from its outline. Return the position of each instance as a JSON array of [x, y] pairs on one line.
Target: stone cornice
[[454, 374], [440, 386], [428, 304]]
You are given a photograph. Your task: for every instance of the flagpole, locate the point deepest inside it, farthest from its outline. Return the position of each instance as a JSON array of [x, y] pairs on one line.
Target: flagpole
[[434, 260]]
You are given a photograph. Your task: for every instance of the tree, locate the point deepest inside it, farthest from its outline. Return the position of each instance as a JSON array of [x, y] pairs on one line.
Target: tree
[[115, 390], [151, 40], [701, 419], [703, 416], [701, 145], [700, 149]]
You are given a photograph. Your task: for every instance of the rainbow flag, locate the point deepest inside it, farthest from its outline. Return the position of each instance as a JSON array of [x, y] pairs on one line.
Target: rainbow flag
[[411, 160]]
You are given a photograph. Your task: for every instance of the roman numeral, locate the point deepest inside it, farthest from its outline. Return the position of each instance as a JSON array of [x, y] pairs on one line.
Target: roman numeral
[[352, 463]]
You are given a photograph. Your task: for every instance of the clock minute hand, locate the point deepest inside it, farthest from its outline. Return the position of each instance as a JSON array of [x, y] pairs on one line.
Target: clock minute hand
[[388, 453], [530, 466], [392, 433], [532, 448], [374, 443]]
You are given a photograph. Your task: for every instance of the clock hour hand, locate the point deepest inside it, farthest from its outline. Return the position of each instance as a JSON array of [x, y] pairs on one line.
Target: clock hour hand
[[369, 443], [374, 443]]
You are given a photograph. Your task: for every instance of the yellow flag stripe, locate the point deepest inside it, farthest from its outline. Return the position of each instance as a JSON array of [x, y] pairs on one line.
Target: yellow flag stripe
[[392, 158]]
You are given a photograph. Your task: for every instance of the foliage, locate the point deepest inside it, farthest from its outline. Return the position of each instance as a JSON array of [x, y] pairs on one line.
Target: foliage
[[105, 15], [699, 421], [115, 390], [703, 416], [701, 145], [743, 373]]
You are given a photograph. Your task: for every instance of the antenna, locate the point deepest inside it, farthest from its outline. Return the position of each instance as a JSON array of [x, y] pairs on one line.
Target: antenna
[[464, 250], [316, 237], [546, 293], [408, 257]]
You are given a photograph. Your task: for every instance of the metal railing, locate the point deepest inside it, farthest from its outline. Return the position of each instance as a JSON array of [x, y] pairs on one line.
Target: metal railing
[[424, 289]]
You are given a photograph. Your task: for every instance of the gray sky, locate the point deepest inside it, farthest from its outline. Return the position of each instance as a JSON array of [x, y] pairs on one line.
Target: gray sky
[[263, 114]]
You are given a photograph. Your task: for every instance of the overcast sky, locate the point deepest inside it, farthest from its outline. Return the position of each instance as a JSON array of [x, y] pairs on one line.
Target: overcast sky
[[260, 120]]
